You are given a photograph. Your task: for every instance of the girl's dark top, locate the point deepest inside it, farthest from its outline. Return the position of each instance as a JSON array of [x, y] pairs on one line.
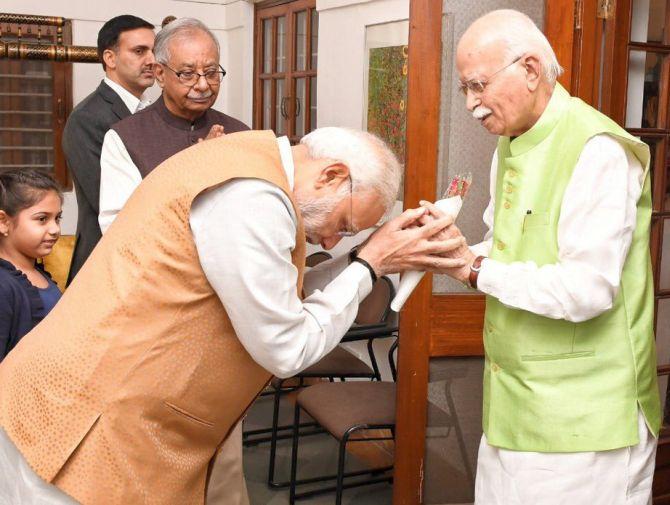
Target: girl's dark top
[[21, 306]]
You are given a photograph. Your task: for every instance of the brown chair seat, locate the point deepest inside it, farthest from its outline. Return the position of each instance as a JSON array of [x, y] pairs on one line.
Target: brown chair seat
[[338, 362], [337, 406]]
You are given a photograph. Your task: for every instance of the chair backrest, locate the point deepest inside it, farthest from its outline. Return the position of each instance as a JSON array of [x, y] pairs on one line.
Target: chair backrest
[[376, 306], [57, 263], [315, 258]]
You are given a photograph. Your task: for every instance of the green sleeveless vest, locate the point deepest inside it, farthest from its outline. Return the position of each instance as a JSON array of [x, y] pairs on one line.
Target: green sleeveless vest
[[554, 385]]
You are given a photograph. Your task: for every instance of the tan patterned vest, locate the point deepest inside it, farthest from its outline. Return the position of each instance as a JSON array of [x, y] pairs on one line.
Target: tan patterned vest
[[124, 392]]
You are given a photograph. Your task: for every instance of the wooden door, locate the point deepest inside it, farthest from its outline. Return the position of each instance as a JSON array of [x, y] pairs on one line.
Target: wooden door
[[285, 67]]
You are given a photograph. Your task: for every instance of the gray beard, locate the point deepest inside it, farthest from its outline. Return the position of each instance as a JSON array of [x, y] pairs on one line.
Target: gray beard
[[315, 211]]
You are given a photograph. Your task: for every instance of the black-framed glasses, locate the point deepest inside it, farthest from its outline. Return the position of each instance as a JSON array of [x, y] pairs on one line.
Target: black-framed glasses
[[477, 86], [190, 78], [351, 231]]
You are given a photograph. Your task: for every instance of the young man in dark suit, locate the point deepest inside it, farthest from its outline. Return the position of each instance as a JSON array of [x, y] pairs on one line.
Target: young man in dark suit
[[125, 47]]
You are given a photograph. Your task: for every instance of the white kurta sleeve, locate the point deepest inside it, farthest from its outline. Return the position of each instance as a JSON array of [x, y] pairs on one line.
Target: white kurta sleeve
[[595, 231], [244, 232], [118, 178], [484, 247]]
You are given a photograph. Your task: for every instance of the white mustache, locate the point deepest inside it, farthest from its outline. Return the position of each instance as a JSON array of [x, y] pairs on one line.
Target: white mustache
[[481, 112], [199, 96]]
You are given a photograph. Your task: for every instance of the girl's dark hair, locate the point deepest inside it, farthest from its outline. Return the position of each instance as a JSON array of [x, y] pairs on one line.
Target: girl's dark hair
[[23, 188]]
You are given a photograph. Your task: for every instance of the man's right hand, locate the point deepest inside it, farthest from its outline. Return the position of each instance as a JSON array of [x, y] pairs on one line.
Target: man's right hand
[[214, 132], [400, 245]]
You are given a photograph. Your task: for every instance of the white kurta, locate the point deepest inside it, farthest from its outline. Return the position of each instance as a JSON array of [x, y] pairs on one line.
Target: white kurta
[[595, 229]]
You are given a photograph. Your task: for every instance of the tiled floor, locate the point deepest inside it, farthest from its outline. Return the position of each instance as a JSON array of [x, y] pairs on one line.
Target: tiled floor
[[317, 456]]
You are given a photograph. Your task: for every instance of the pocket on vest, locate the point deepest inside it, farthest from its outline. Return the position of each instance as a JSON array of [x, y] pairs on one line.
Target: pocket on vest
[[563, 355], [187, 415], [535, 220]]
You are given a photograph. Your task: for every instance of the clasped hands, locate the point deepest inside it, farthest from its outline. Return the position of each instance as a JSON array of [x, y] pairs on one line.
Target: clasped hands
[[419, 239]]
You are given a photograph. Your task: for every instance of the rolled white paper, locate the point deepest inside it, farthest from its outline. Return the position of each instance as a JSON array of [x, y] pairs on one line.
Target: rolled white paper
[[410, 279]]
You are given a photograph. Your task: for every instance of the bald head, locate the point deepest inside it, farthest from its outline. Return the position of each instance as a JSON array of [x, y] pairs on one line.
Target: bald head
[[507, 70], [511, 33]]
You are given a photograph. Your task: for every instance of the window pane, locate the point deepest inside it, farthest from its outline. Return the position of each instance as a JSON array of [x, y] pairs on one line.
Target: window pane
[[281, 43], [643, 89], [312, 108], [300, 107], [301, 41], [26, 102], [267, 104], [656, 166], [267, 46], [664, 279], [648, 24], [281, 109], [315, 39]]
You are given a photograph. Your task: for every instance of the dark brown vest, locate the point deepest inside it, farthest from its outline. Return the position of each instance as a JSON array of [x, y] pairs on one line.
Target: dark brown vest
[[154, 134]]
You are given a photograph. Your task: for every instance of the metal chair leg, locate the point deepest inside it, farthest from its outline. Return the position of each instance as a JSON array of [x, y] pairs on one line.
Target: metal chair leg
[[373, 360], [294, 454], [273, 436], [340, 469]]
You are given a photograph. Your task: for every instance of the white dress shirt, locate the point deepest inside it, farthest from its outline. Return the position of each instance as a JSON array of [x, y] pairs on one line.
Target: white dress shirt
[[118, 174], [244, 232], [595, 230], [132, 102]]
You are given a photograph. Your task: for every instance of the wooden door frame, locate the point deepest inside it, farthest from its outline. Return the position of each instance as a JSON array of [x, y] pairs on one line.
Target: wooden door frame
[[450, 325]]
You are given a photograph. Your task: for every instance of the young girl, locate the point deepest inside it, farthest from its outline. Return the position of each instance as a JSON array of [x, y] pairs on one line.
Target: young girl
[[30, 213]]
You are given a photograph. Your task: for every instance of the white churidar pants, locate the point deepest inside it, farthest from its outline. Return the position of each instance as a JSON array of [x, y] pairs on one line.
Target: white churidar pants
[[617, 477]]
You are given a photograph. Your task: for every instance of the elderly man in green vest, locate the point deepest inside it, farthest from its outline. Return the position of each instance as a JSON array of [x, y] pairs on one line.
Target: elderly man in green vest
[[571, 404]]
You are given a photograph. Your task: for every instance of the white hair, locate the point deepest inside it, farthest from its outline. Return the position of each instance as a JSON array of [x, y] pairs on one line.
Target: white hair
[[372, 165], [520, 34], [182, 27]]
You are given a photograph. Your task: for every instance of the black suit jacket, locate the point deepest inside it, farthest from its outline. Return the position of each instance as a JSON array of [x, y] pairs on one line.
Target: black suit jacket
[[82, 142]]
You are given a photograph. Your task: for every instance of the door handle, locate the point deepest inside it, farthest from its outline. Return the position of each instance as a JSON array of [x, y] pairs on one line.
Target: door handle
[[282, 107], [297, 106]]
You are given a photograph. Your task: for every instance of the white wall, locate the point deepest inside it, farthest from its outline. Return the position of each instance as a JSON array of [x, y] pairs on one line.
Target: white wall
[[230, 20], [342, 55]]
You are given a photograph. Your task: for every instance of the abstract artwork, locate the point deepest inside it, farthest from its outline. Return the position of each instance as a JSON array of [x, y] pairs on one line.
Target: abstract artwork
[[387, 96]]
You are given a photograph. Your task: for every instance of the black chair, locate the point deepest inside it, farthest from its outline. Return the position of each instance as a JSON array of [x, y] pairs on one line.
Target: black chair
[[372, 322], [346, 411], [253, 437]]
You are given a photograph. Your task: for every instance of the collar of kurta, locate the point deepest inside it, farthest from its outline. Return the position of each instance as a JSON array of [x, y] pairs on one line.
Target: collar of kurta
[[178, 122], [558, 104]]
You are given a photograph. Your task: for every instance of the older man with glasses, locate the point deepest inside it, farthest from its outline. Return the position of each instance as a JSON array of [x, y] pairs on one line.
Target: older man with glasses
[[571, 406], [188, 70]]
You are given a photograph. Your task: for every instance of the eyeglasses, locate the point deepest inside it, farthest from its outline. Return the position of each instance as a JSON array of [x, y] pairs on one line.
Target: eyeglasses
[[478, 86], [351, 231], [190, 78]]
